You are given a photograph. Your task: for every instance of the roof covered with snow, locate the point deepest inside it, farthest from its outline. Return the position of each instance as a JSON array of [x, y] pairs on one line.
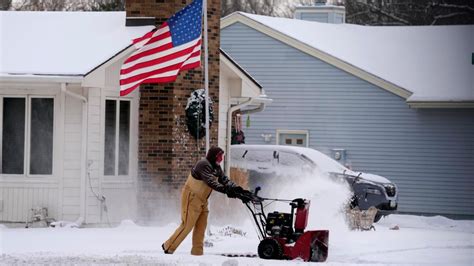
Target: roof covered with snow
[[61, 43], [434, 63]]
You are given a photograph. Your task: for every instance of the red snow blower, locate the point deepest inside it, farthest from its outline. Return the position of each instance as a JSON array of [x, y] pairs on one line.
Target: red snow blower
[[283, 235]]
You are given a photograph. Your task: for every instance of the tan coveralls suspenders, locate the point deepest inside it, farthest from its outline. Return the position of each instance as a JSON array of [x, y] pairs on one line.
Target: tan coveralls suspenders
[[194, 212]]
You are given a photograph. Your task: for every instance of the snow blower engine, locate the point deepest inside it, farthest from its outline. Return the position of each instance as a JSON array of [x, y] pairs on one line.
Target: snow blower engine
[[283, 235]]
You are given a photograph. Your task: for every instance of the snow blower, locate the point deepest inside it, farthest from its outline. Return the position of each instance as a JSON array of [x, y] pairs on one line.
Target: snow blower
[[283, 235]]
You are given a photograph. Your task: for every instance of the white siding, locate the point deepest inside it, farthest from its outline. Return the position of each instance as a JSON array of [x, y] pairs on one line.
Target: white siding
[[64, 193], [18, 198], [121, 200], [20, 193], [224, 88], [94, 146], [120, 192], [71, 200]]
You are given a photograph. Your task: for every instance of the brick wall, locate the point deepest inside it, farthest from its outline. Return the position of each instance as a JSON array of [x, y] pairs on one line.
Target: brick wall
[[166, 150]]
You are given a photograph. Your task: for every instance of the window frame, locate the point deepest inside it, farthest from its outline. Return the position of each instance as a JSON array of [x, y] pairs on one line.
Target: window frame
[[288, 131], [28, 95], [131, 150]]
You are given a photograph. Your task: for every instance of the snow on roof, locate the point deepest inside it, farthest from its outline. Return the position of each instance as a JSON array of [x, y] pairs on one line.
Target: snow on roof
[[62, 43], [432, 62]]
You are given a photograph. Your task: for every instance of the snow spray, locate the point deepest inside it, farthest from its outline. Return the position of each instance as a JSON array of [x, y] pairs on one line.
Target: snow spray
[[328, 197]]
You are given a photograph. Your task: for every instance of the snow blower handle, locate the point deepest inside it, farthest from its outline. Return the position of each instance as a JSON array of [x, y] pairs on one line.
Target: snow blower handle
[[257, 189], [247, 196]]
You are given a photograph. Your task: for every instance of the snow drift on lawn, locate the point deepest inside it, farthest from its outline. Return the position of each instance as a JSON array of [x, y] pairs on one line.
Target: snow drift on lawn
[[420, 240]]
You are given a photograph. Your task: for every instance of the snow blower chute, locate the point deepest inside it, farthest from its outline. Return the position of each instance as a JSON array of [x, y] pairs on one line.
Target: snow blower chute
[[283, 235]]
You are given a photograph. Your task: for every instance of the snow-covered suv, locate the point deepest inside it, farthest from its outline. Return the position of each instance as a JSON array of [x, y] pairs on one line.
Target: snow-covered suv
[[368, 189]]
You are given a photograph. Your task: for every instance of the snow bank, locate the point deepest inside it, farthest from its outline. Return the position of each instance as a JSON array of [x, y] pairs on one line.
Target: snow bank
[[425, 222], [127, 224], [138, 245]]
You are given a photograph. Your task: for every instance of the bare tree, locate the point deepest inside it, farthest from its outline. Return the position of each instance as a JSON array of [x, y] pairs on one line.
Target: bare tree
[[107, 5], [274, 8], [50, 5], [68, 5], [5, 4], [409, 12]]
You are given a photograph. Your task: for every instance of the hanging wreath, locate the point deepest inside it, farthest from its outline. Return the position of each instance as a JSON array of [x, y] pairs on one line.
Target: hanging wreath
[[195, 114]]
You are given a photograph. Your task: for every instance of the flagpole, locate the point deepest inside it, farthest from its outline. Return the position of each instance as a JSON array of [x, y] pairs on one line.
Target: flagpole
[[206, 73]]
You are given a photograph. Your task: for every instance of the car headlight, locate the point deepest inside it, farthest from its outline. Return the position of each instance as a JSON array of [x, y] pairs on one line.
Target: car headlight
[[373, 191], [390, 189]]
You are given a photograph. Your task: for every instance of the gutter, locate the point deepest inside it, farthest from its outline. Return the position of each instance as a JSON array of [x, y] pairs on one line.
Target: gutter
[[83, 149], [262, 100], [35, 78]]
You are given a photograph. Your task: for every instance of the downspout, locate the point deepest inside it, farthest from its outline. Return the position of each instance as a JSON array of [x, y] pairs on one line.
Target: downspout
[[83, 149], [229, 126]]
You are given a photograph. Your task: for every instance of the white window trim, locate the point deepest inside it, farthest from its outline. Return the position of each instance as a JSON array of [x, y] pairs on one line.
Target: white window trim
[[286, 131], [133, 150], [28, 94]]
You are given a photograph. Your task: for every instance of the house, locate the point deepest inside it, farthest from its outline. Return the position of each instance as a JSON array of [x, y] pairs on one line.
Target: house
[[70, 143], [394, 101]]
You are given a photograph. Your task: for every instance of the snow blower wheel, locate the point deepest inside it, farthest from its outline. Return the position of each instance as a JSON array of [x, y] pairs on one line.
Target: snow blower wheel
[[270, 249], [284, 235]]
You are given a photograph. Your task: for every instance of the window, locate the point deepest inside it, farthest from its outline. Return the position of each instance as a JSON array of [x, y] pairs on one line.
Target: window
[[286, 159], [27, 135], [117, 137], [252, 159], [292, 137]]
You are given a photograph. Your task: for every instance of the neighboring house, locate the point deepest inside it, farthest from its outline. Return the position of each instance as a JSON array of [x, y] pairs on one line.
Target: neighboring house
[[394, 101], [68, 141]]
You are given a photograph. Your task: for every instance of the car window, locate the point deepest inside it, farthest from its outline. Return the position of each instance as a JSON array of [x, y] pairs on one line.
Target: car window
[[260, 160], [293, 162], [286, 159]]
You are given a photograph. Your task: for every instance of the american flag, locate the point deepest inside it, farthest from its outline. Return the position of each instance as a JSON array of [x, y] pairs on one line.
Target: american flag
[[164, 52]]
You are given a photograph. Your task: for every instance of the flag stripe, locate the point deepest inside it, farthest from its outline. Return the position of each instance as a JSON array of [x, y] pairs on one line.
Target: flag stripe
[[156, 47], [171, 73], [156, 32], [143, 76], [155, 41], [190, 63], [139, 42], [157, 59], [172, 64], [162, 53], [157, 67]]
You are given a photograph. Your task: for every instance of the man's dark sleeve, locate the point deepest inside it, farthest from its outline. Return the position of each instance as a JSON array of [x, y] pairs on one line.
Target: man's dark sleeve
[[224, 180], [206, 175]]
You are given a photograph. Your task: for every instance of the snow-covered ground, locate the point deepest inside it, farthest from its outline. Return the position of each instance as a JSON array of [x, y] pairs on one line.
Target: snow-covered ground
[[420, 240]]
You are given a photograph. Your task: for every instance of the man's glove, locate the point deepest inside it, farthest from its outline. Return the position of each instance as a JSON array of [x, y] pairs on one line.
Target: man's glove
[[238, 190], [248, 196], [230, 193], [234, 191]]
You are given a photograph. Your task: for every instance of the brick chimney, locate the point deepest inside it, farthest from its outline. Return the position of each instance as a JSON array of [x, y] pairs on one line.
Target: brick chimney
[[166, 150]]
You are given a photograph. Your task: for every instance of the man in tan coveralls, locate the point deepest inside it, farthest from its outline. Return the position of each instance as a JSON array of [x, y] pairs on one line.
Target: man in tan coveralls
[[205, 176]]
